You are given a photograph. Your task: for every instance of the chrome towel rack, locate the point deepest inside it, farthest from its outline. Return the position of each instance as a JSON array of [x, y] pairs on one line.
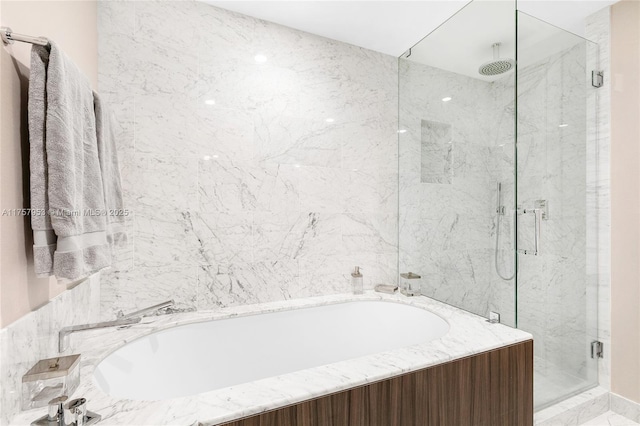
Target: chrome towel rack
[[8, 37]]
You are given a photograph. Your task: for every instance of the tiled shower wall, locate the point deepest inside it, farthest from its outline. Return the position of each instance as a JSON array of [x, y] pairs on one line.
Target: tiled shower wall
[[447, 213], [248, 182], [448, 219], [554, 302]]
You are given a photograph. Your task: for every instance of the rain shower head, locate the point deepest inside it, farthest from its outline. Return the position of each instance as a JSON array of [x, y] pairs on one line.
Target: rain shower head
[[498, 65]]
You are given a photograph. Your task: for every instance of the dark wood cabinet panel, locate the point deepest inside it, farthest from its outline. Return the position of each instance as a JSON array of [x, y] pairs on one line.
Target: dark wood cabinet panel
[[492, 388]]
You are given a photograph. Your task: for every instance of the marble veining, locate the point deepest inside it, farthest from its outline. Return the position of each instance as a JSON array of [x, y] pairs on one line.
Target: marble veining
[[35, 337], [598, 29], [625, 407], [248, 182], [576, 410], [468, 334], [611, 418], [448, 222]]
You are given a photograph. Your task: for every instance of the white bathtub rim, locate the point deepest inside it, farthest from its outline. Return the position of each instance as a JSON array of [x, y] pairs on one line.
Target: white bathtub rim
[[184, 318], [222, 405]]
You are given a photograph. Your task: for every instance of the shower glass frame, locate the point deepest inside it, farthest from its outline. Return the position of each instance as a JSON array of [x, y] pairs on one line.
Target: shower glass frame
[[462, 137]]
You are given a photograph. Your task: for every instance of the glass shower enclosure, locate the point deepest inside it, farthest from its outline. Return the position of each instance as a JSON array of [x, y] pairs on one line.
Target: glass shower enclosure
[[497, 183]]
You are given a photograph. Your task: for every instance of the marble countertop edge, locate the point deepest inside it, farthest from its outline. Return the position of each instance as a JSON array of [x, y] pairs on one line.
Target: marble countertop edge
[[469, 334]]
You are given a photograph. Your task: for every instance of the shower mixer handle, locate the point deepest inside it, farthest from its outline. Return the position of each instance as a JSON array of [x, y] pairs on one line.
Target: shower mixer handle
[[537, 213]]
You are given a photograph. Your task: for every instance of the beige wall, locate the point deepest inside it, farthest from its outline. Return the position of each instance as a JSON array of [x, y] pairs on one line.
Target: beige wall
[[625, 199], [73, 25]]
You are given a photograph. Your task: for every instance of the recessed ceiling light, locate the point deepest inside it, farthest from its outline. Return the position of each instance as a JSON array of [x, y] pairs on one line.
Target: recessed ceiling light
[[402, 131], [329, 120], [297, 166], [446, 99], [206, 158], [210, 102], [260, 58], [214, 156], [563, 125]]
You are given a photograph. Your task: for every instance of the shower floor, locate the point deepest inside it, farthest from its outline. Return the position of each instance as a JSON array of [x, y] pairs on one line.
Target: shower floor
[[551, 384]]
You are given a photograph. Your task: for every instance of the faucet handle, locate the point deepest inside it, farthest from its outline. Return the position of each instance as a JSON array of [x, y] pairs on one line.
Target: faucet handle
[[76, 411], [56, 408]]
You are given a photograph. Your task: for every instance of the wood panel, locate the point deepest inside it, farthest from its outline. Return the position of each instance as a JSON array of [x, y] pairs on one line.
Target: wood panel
[[492, 388]]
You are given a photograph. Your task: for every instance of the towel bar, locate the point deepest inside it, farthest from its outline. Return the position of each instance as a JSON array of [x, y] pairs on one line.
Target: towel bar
[[8, 37]]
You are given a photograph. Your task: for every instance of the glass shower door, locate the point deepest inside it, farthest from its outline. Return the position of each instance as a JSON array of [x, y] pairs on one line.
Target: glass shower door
[[555, 160], [456, 148]]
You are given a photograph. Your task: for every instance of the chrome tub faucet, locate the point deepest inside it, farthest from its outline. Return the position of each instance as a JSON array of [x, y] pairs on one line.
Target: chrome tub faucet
[[122, 321]]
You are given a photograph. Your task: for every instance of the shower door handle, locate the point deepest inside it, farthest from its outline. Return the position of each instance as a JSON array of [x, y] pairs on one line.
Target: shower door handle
[[537, 213]]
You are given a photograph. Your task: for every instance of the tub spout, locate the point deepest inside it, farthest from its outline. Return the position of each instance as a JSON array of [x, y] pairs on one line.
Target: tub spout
[[122, 321], [145, 311]]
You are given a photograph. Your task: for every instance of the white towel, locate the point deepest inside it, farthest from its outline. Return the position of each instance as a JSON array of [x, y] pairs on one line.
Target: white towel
[[108, 155], [70, 238]]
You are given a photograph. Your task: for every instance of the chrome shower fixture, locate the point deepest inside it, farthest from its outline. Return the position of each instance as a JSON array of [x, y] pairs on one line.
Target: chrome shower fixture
[[498, 65]]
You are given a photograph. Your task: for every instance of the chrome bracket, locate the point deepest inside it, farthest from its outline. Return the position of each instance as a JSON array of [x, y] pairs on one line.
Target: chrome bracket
[[494, 318], [5, 34], [543, 205], [597, 349], [597, 78]]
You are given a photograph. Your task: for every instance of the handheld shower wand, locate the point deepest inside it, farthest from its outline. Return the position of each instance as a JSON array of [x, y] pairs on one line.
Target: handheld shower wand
[[500, 211]]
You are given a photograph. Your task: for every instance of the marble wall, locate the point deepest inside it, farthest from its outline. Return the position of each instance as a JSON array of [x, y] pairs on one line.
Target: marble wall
[[448, 226], [447, 220], [554, 303], [598, 29], [35, 336], [248, 182]]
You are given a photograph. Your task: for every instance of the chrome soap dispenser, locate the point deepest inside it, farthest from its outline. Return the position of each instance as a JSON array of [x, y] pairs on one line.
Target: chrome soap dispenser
[[356, 281]]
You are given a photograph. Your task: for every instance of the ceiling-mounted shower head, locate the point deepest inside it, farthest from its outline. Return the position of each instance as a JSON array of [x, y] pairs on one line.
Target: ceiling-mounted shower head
[[498, 65]]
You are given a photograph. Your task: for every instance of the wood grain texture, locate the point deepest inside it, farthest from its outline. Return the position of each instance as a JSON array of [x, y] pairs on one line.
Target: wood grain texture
[[492, 388]]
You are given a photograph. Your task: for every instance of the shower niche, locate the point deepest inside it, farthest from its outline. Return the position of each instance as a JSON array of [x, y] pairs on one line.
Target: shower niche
[[436, 152], [496, 113]]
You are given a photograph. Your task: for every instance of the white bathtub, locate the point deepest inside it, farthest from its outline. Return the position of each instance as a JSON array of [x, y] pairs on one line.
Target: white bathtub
[[201, 357]]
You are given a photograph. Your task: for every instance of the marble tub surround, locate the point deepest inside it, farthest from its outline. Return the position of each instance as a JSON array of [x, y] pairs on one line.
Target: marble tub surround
[[35, 337], [249, 182], [469, 334]]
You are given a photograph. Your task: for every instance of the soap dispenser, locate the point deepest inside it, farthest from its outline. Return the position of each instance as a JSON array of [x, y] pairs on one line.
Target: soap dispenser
[[356, 281]]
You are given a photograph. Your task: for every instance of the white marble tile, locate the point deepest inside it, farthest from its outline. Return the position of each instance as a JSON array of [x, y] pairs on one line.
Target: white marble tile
[[150, 23], [610, 418], [231, 165], [575, 410], [296, 235], [224, 238], [245, 283], [159, 186], [216, 132], [35, 337], [167, 239], [625, 407], [143, 286], [598, 30]]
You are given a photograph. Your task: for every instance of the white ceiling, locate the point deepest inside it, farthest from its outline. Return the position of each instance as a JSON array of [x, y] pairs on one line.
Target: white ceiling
[[393, 26], [465, 42]]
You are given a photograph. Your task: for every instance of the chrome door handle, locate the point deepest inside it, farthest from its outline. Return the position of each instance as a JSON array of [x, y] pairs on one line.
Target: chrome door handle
[[537, 213]]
